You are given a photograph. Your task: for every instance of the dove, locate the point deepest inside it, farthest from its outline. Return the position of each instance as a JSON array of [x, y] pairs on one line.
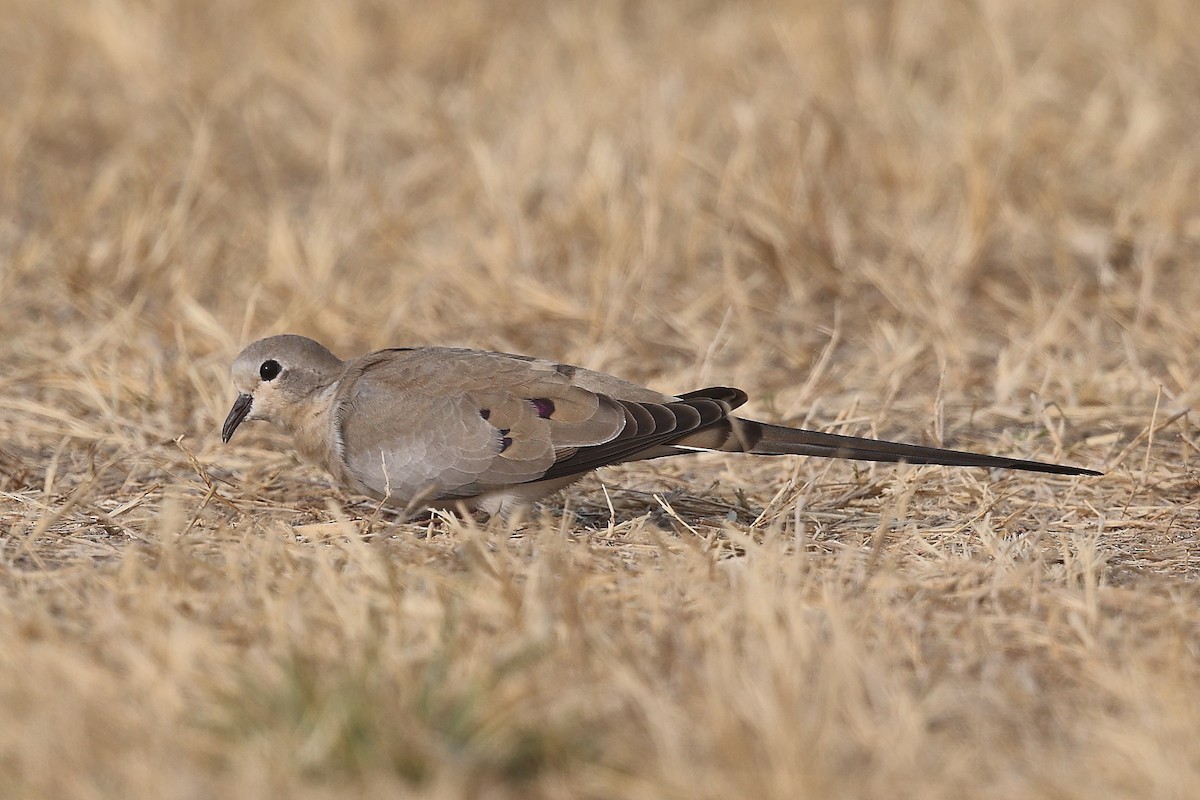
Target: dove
[[441, 427]]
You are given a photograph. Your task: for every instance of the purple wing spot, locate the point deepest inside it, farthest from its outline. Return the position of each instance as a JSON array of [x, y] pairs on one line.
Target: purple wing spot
[[505, 443], [544, 406], [485, 412]]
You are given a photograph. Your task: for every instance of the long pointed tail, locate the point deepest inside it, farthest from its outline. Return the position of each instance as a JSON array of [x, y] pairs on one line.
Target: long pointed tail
[[761, 438]]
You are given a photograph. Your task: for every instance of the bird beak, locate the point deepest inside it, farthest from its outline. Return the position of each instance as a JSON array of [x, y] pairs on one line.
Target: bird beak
[[241, 407]]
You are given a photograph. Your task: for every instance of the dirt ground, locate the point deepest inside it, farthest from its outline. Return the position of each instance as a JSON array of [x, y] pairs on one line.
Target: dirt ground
[[965, 224]]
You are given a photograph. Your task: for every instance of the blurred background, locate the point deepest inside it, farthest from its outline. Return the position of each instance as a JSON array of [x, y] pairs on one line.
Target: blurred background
[[999, 196]]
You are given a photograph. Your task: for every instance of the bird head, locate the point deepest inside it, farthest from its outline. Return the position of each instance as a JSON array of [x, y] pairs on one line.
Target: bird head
[[274, 376]]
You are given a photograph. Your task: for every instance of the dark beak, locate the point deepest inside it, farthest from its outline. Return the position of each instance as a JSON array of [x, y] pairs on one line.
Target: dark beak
[[241, 407]]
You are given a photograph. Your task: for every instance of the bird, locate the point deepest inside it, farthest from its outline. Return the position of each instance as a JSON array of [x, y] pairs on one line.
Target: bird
[[457, 429]]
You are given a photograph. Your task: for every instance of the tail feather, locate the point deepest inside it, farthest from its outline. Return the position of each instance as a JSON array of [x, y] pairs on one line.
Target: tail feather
[[761, 438]]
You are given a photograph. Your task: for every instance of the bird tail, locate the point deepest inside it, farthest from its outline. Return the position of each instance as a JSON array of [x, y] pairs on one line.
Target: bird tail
[[735, 435]]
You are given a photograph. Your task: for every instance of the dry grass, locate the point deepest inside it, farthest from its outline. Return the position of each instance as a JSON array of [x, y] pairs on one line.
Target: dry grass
[[970, 223]]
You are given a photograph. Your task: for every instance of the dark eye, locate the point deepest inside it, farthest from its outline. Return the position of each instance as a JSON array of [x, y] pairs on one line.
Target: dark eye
[[269, 370]]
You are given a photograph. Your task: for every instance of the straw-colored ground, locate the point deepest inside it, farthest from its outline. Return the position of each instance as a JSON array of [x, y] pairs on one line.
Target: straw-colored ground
[[975, 224]]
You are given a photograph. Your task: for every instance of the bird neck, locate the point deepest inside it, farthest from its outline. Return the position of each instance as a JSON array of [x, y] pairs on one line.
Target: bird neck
[[311, 424]]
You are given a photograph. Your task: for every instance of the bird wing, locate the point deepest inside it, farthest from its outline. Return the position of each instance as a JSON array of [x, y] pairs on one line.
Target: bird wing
[[445, 423]]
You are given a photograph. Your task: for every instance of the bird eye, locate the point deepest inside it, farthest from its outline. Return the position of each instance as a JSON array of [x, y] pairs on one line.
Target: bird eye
[[269, 370]]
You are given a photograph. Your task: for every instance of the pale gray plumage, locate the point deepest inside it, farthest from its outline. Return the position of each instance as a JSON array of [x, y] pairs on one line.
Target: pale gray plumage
[[437, 426]]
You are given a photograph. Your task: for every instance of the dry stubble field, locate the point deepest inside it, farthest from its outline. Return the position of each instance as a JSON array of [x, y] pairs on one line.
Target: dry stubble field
[[975, 224]]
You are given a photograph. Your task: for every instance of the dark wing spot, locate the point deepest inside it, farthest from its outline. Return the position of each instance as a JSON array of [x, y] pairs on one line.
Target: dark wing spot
[[566, 370], [505, 443], [544, 406], [485, 412]]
